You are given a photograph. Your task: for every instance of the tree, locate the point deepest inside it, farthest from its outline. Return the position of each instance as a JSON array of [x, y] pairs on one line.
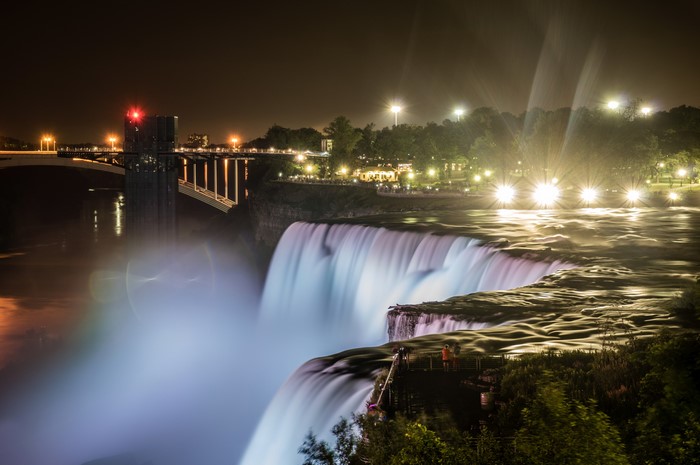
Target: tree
[[668, 425], [345, 138], [557, 430], [422, 446], [343, 453]]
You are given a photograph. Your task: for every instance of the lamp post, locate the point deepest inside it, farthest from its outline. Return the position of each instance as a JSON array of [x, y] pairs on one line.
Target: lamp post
[[459, 112], [112, 140], [396, 109], [234, 141], [47, 140], [681, 174]]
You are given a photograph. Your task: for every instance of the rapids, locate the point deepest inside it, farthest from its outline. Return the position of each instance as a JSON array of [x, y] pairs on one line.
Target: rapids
[[629, 263], [193, 361]]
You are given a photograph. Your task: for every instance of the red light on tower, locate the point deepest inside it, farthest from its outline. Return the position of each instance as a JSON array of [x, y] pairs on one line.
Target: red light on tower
[[134, 115]]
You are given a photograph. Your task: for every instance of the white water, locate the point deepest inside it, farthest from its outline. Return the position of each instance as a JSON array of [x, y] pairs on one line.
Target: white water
[[341, 279], [332, 285], [409, 326]]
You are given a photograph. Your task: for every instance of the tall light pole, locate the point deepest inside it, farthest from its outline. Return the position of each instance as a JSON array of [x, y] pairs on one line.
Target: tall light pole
[[47, 140], [459, 112], [396, 109], [234, 141], [112, 140]]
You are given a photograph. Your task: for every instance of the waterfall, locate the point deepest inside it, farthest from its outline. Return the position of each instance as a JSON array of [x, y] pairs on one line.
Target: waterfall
[[406, 326], [331, 286], [313, 399], [339, 280]]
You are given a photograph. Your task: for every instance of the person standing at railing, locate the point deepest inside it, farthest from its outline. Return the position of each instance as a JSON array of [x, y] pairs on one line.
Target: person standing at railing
[[446, 356]]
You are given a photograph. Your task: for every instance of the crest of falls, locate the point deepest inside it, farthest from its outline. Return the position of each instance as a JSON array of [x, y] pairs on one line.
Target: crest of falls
[[406, 326], [341, 279], [328, 289]]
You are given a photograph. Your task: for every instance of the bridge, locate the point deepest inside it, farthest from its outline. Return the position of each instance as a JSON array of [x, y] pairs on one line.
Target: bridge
[[214, 177]]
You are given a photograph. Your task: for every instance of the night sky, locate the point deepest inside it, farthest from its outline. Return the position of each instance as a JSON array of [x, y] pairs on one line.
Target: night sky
[[73, 69]]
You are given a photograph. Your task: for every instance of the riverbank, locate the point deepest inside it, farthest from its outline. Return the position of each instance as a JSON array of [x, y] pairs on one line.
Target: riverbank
[[274, 206]]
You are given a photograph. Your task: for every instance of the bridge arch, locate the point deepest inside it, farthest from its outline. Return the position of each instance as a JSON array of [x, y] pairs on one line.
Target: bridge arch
[[51, 158]]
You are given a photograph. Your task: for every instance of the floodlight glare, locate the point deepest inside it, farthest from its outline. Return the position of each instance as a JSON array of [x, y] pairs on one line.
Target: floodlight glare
[[505, 194], [546, 194], [633, 195], [589, 195]]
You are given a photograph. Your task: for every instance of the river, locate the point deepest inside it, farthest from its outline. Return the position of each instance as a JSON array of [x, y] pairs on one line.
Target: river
[[165, 357]]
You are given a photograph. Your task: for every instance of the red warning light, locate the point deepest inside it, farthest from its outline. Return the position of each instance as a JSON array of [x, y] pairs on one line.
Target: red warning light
[[134, 114]]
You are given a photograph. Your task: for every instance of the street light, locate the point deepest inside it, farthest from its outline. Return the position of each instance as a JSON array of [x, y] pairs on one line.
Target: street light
[[47, 140], [459, 112], [111, 139], [613, 104], [395, 109], [234, 141], [645, 111]]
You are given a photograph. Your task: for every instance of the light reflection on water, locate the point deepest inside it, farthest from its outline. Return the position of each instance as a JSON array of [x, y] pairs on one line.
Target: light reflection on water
[[633, 260]]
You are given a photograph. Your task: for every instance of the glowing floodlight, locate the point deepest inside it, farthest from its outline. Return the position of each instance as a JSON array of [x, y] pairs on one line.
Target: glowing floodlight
[[546, 194], [395, 109], [613, 104], [431, 172], [589, 195], [505, 194], [673, 196], [633, 195]]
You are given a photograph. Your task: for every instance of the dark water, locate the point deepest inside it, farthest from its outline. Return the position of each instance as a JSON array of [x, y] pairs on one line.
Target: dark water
[[62, 231]]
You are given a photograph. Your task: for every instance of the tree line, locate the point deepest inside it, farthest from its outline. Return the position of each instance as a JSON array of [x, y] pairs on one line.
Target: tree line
[[584, 145]]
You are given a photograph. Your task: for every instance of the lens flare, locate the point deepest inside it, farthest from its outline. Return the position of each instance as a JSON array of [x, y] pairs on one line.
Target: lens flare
[[589, 195], [546, 194], [505, 194], [633, 195]]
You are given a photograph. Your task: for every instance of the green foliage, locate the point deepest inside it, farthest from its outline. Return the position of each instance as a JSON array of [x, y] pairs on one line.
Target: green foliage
[[345, 138], [557, 430], [667, 425], [343, 453], [582, 145], [687, 305], [421, 446], [521, 377]]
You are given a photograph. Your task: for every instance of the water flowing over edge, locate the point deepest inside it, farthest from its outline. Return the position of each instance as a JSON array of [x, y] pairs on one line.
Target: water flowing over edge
[[338, 282]]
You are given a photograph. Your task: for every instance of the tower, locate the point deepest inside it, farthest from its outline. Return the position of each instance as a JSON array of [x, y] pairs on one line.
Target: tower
[[151, 183]]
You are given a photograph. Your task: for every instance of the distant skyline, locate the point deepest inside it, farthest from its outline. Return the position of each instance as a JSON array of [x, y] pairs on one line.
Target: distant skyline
[[240, 68]]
